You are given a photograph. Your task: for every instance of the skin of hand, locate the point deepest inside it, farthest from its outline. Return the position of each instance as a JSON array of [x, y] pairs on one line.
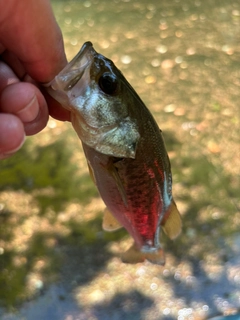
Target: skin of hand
[[31, 52]]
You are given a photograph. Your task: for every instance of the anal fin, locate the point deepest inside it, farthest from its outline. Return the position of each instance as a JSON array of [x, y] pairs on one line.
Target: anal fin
[[134, 255], [172, 223], [110, 223]]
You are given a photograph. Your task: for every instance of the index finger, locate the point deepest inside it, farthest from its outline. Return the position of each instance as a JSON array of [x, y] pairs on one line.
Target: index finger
[[30, 31]]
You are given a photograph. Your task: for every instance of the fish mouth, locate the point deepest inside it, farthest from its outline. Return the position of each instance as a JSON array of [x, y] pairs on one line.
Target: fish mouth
[[87, 48], [61, 86], [74, 71]]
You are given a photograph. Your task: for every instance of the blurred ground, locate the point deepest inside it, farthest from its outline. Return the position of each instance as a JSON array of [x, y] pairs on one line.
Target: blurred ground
[[183, 59]]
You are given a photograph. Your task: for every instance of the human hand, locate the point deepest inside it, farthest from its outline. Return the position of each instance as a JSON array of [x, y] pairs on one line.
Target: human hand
[[31, 52]]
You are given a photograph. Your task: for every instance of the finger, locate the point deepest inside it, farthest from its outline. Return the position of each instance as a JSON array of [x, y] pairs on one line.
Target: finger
[[2, 49], [7, 76], [26, 102], [12, 134], [11, 60], [55, 109], [39, 47]]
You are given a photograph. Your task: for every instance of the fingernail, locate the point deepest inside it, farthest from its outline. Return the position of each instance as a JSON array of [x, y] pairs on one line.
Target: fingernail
[[30, 112], [9, 153]]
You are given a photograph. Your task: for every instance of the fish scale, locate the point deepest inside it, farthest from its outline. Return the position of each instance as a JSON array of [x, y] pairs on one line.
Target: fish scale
[[124, 149], [143, 198]]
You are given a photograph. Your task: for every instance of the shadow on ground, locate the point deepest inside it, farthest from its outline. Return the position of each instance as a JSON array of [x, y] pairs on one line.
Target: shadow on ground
[[124, 306]]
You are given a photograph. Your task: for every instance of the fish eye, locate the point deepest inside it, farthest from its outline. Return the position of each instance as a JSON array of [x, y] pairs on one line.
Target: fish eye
[[108, 83]]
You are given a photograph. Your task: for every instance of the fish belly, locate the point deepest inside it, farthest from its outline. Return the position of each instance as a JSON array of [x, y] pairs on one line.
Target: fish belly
[[131, 194]]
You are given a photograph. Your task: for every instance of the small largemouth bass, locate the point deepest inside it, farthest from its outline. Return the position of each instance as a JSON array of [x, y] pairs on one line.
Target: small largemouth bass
[[125, 151]]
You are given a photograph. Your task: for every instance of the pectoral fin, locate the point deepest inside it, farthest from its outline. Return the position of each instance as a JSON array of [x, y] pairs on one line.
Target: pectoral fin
[[91, 173], [109, 222], [134, 255], [113, 171], [172, 223]]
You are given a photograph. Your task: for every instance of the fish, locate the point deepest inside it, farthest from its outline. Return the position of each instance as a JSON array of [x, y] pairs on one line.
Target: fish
[[125, 152]]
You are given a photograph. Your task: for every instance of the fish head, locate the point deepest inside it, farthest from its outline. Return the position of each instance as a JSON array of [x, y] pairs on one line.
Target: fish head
[[100, 101]]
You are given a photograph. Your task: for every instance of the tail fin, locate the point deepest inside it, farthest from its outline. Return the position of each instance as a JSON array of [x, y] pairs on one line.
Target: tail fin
[[172, 224], [134, 255]]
